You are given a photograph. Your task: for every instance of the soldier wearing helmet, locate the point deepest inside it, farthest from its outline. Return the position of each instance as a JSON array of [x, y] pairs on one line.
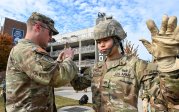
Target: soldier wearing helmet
[[116, 81], [110, 28]]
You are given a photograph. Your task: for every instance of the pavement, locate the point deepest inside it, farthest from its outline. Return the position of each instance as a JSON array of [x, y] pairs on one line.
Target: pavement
[[69, 92], [76, 109]]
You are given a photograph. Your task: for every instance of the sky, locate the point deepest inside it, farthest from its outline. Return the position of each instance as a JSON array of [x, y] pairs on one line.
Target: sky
[[73, 15]]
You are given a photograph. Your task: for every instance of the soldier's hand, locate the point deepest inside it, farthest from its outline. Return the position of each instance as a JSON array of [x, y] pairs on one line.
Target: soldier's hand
[[68, 53], [145, 104], [165, 43], [60, 56]]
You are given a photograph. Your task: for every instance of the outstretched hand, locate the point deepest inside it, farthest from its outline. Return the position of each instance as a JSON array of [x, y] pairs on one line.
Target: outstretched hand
[[165, 43]]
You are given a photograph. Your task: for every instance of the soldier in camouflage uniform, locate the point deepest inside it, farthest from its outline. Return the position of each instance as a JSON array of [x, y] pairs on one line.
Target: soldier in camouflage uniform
[[116, 81], [31, 73], [165, 50]]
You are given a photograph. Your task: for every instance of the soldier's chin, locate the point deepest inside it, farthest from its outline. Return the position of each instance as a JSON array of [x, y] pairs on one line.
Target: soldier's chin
[[104, 52]]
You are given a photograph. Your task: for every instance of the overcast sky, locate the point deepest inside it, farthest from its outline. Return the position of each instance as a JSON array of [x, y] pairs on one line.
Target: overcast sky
[[72, 15]]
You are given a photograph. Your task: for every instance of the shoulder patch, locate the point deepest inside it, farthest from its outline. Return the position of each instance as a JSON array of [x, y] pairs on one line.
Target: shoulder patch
[[40, 50]]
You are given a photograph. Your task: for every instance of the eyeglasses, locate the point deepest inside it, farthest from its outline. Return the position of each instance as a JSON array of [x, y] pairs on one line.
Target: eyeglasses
[[50, 31]]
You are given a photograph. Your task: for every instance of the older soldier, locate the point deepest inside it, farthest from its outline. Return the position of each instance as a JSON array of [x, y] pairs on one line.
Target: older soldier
[[117, 80], [31, 73], [165, 50]]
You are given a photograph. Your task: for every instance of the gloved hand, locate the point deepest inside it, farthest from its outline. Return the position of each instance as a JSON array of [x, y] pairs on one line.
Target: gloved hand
[[165, 43]]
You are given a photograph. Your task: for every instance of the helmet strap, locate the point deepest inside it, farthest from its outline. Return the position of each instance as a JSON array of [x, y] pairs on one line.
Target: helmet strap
[[116, 42], [121, 47]]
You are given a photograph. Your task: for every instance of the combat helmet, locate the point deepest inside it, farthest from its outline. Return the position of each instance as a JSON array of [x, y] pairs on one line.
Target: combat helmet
[[109, 27]]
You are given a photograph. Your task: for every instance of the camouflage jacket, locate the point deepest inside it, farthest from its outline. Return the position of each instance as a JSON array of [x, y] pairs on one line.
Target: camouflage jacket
[[165, 93], [31, 76], [116, 84]]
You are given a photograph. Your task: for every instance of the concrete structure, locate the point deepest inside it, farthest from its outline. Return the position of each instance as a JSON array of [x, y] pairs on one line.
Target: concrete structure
[[76, 109], [86, 53], [82, 41]]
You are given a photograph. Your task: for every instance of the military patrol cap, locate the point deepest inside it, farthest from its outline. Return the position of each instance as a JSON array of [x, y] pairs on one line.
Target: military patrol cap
[[44, 19]]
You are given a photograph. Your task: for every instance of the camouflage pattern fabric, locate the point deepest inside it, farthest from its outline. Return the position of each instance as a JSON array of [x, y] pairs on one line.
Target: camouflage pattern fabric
[[164, 47], [164, 97], [109, 28], [44, 19], [31, 76], [115, 84]]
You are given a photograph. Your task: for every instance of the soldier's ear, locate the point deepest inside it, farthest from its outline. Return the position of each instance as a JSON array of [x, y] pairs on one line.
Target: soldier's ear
[[37, 27]]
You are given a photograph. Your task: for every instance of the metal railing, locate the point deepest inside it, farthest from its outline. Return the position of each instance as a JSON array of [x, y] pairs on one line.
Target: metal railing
[[86, 63], [84, 49], [81, 37]]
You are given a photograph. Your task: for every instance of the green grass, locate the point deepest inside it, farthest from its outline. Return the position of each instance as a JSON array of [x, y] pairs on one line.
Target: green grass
[[1, 105], [60, 102], [63, 101]]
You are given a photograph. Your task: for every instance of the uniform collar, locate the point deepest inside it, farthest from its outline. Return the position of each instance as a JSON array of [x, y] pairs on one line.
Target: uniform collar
[[25, 41], [114, 63], [118, 62]]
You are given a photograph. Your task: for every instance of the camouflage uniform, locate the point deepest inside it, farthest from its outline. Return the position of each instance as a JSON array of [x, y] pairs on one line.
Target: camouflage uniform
[[115, 84], [115, 87], [164, 96], [165, 49], [31, 76]]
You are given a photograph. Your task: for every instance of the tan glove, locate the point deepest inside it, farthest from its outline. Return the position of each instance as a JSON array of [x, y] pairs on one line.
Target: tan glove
[[165, 43]]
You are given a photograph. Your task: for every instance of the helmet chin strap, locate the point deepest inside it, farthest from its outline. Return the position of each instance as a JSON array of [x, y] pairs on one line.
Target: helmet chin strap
[[108, 51], [120, 50], [120, 47]]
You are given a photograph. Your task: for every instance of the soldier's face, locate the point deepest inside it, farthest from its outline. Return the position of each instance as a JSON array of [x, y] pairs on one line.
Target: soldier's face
[[45, 37], [104, 45], [44, 34]]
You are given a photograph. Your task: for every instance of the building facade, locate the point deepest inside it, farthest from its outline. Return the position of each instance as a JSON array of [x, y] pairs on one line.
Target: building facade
[[86, 53]]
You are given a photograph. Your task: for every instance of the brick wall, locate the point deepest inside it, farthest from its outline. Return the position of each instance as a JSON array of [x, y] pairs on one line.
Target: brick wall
[[10, 24]]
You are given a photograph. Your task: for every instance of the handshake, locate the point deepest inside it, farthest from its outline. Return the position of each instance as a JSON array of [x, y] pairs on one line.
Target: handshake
[[66, 53]]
